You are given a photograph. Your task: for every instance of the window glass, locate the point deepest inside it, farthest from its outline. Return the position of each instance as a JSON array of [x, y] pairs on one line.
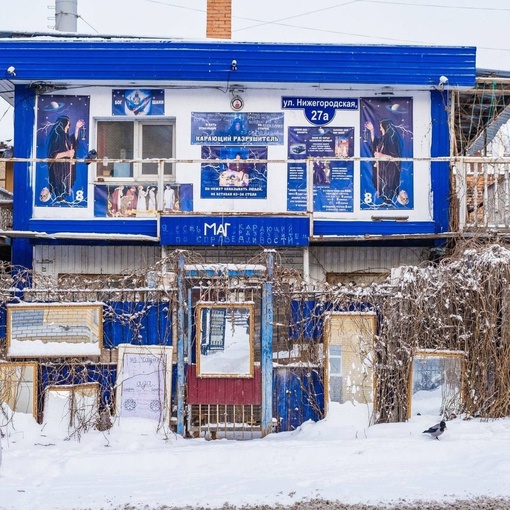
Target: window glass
[[156, 143], [115, 140], [133, 140]]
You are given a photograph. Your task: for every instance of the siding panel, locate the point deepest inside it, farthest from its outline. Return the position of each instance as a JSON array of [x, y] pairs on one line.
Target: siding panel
[[167, 61]]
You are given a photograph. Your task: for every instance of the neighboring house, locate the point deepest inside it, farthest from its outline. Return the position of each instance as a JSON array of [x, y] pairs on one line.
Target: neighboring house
[[6, 185], [334, 156]]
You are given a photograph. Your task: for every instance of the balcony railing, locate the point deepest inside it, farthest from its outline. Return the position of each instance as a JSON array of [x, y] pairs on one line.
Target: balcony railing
[[480, 198], [481, 187]]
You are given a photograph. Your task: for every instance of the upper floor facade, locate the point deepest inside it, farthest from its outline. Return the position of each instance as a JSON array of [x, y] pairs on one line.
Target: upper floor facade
[[205, 143]]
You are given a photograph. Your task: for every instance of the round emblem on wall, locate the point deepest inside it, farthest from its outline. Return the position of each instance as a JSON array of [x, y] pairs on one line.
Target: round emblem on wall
[[236, 104]]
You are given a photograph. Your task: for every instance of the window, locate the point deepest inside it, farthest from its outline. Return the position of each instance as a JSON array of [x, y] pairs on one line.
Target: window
[[139, 139]]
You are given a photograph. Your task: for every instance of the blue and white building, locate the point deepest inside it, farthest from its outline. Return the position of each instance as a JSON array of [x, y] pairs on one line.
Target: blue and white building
[[129, 149]]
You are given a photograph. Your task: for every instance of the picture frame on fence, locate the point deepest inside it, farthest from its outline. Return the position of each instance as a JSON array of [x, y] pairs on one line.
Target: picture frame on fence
[[71, 409], [436, 382], [144, 382], [18, 386], [224, 340], [54, 330], [349, 344]]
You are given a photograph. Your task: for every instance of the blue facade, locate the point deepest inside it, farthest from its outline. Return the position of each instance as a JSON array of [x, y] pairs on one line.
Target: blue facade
[[41, 63]]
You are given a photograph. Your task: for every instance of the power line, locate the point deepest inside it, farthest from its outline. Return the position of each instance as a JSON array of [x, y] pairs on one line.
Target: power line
[[262, 23], [177, 6], [390, 39], [279, 21], [350, 34], [438, 6]]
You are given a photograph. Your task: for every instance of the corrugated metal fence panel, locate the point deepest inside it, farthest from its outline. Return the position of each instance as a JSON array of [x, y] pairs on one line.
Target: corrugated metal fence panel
[[68, 374], [350, 259], [307, 324], [3, 322], [165, 60], [154, 327], [298, 396], [72, 259], [224, 391]]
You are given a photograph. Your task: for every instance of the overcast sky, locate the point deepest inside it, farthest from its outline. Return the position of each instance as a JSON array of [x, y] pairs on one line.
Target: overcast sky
[[483, 24]]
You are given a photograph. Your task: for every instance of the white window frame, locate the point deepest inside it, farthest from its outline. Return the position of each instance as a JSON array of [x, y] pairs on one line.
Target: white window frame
[[106, 163]]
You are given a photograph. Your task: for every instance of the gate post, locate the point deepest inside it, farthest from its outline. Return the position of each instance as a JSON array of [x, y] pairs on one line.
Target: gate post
[[266, 359], [180, 344]]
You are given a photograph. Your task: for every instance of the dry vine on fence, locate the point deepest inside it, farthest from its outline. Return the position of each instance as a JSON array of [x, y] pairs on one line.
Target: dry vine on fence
[[459, 305]]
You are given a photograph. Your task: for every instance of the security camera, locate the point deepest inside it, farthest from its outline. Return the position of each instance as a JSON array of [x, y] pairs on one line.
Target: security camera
[[443, 80], [233, 65], [11, 71]]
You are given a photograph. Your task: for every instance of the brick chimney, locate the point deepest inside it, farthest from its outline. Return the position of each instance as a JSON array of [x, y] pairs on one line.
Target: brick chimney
[[219, 19]]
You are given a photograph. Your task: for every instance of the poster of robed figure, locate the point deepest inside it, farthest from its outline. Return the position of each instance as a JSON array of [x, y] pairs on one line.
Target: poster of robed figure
[[62, 137], [387, 137]]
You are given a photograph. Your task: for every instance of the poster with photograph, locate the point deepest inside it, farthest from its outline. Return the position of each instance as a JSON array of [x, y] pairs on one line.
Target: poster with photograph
[[386, 133], [62, 137], [135, 200], [138, 102], [237, 178], [333, 179], [246, 129]]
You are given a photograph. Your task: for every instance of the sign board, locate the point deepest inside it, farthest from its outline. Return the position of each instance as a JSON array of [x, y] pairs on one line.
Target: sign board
[[192, 230]]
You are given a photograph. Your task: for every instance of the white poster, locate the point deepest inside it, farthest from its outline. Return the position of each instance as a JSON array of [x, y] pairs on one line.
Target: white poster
[[144, 382]]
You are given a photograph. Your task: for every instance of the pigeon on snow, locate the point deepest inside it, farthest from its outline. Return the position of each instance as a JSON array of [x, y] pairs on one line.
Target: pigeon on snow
[[436, 430]]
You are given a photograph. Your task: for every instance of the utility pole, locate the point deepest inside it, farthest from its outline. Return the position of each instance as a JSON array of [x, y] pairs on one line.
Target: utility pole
[[66, 15]]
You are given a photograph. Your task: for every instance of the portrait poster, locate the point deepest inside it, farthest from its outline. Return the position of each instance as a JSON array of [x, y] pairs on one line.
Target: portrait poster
[[62, 136], [237, 177], [333, 179], [138, 102], [386, 132], [135, 200], [246, 129]]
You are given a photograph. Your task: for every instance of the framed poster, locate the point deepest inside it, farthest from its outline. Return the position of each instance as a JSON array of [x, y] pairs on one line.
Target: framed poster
[[436, 382], [224, 340], [144, 382], [18, 386], [71, 409], [333, 178], [232, 172], [387, 181], [62, 138], [54, 329], [349, 347]]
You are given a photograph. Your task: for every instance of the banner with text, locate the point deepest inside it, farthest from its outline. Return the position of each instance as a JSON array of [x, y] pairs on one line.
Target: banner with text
[[238, 178], [333, 179], [138, 102], [212, 128], [205, 230]]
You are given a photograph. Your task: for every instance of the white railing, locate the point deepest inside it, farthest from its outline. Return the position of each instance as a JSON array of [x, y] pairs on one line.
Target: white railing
[[482, 189], [480, 186]]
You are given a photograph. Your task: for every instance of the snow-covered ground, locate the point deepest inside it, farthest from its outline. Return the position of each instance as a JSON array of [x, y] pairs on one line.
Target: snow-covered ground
[[340, 458]]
